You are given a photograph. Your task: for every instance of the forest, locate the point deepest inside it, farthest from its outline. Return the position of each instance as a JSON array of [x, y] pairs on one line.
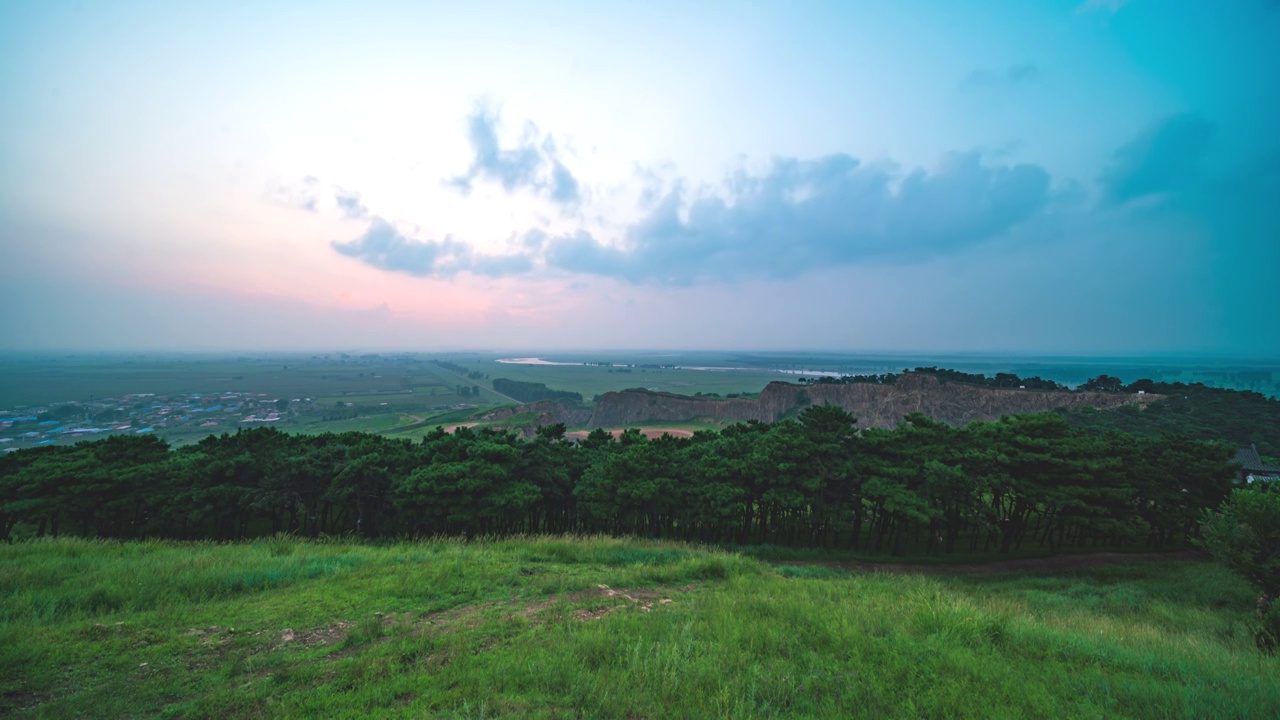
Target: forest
[[999, 380], [815, 481], [1193, 410], [533, 392]]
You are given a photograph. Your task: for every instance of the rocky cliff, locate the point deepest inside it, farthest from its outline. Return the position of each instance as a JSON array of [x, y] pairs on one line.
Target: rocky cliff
[[874, 405]]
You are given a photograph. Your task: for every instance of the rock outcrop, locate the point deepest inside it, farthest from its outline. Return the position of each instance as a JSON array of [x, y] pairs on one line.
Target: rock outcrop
[[874, 405]]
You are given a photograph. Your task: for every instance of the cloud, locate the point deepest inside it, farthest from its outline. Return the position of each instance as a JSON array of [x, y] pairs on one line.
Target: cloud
[[804, 215], [533, 164], [795, 217], [311, 195], [349, 203], [984, 78], [1162, 158], [302, 195], [564, 187], [384, 247]]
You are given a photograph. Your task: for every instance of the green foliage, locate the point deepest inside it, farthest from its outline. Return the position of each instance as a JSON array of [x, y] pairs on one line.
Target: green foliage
[[999, 380], [812, 481], [1103, 383], [1195, 411], [451, 366], [533, 392], [1244, 535]]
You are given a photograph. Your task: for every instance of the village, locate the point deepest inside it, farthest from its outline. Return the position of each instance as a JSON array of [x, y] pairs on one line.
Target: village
[[196, 414]]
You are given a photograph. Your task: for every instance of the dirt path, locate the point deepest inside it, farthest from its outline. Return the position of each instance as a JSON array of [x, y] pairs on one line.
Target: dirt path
[[1054, 564], [650, 432]]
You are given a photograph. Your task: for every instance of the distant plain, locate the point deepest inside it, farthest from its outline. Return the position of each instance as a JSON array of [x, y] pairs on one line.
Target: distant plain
[[406, 394]]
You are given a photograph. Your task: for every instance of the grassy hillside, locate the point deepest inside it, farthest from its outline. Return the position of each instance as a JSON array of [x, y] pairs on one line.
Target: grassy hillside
[[558, 627]]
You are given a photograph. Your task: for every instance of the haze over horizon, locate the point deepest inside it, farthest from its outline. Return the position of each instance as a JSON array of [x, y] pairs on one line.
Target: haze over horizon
[[1046, 178]]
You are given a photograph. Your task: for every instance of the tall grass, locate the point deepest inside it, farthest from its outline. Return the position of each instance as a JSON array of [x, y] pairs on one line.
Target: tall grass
[[523, 628]]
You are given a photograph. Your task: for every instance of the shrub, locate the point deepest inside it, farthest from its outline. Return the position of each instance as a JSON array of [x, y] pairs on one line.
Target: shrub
[[1244, 535]]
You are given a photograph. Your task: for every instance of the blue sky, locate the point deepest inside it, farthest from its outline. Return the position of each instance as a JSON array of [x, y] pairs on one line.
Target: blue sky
[[1089, 176]]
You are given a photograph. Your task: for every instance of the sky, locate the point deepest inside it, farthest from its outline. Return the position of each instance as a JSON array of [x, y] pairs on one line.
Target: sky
[[1074, 176]]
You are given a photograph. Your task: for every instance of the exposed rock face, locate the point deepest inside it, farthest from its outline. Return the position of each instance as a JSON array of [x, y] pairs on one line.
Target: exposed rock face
[[629, 407], [881, 406]]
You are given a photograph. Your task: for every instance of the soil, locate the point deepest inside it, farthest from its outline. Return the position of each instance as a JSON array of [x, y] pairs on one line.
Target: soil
[[650, 432]]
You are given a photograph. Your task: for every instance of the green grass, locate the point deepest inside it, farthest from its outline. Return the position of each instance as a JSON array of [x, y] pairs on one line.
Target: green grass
[[390, 399], [522, 628], [38, 380], [592, 380], [382, 423]]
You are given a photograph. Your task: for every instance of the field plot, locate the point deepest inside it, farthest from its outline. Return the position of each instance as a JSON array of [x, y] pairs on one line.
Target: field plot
[[379, 424], [597, 627], [28, 380], [592, 380], [758, 368], [184, 398]]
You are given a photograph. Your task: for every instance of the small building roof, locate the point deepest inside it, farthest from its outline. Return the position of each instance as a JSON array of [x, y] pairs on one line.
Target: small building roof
[[1249, 459]]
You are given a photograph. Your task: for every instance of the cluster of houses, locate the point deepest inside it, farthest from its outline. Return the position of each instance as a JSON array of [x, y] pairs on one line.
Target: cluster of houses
[[138, 413]]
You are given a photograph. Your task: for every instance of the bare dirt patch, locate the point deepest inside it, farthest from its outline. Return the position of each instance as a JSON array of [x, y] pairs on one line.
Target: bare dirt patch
[[213, 636], [327, 635], [653, 433], [465, 617], [617, 599], [600, 601]]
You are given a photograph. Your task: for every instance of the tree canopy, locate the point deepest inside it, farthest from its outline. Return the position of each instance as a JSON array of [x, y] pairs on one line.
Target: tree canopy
[[811, 481]]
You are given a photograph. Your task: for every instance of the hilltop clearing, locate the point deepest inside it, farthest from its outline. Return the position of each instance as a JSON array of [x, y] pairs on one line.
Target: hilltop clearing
[[560, 627]]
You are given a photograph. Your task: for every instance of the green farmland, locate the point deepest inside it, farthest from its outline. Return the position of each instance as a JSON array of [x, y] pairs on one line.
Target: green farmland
[[177, 396], [592, 380], [398, 394]]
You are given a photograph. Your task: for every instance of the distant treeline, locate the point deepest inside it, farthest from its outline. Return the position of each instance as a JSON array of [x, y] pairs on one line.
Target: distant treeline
[[454, 367], [460, 369], [810, 482], [533, 392], [1000, 380]]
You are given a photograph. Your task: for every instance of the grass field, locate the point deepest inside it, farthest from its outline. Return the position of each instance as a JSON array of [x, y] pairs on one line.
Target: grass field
[[27, 380], [598, 627], [379, 424], [388, 399], [592, 380], [36, 380]]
